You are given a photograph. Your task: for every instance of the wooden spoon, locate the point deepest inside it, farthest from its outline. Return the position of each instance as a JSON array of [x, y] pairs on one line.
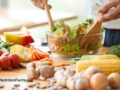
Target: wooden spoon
[[91, 38], [50, 21]]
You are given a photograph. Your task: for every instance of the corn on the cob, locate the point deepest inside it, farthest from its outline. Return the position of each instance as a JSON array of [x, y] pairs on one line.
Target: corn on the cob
[[23, 52], [106, 57], [108, 66]]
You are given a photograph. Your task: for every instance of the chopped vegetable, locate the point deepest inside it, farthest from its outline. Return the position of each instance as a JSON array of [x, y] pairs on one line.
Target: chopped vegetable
[[38, 54], [54, 63]]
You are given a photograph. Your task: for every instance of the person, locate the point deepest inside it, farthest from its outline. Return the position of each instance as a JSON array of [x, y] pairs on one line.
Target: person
[[110, 17]]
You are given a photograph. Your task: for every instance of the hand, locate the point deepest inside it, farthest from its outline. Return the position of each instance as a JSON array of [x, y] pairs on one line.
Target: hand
[[110, 15], [40, 4]]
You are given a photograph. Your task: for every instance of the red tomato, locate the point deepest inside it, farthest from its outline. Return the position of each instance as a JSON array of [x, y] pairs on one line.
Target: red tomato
[[15, 60], [4, 62], [5, 54], [1, 52]]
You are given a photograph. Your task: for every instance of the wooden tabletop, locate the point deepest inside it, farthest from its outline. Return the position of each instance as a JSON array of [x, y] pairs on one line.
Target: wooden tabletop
[[20, 73]]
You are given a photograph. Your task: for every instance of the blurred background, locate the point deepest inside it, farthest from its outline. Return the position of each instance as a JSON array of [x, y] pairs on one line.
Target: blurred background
[[17, 13]]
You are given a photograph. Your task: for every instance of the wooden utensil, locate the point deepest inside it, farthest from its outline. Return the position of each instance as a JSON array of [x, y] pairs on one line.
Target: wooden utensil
[[91, 38], [50, 21]]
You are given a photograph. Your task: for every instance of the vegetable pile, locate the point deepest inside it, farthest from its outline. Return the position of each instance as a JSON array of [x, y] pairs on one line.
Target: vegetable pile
[[66, 40], [27, 54], [92, 78]]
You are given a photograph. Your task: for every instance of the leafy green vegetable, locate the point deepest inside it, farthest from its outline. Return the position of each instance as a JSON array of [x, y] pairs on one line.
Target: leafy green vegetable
[[87, 57], [115, 50], [72, 61], [5, 46]]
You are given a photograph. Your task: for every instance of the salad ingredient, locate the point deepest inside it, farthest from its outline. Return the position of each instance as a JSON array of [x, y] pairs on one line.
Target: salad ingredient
[[91, 71], [15, 60], [30, 70], [38, 54], [99, 81], [105, 65], [79, 74], [114, 80], [24, 53], [59, 63], [47, 71], [39, 69], [54, 63], [5, 46], [105, 57], [73, 61], [4, 62], [77, 84], [87, 57], [82, 84], [1, 52], [114, 50], [65, 40], [22, 38], [5, 54], [61, 76], [71, 83]]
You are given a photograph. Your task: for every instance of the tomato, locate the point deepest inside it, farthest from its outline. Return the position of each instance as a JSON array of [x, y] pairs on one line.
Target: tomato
[[5, 54], [4, 62], [1, 52], [15, 60]]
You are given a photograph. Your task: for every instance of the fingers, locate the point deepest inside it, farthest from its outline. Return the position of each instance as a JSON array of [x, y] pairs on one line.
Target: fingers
[[110, 15], [40, 4], [105, 8]]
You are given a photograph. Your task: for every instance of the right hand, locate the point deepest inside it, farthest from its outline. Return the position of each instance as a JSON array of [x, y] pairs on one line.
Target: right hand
[[40, 4]]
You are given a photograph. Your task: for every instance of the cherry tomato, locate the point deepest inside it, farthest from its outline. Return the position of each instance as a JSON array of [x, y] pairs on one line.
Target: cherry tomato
[[15, 60]]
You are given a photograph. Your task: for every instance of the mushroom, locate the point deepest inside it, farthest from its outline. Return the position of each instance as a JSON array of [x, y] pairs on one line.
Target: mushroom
[[47, 71], [30, 71]]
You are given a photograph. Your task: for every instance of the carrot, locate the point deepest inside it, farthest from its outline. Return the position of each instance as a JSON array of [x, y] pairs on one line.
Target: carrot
[[57, 64], [45, 59], [66, 64], [49, 62]]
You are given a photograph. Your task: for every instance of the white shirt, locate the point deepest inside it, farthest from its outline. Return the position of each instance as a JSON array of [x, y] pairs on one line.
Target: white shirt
[[114, 24]]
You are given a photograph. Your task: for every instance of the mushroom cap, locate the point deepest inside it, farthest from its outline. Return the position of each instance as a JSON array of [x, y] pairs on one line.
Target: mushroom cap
[[47, 71]]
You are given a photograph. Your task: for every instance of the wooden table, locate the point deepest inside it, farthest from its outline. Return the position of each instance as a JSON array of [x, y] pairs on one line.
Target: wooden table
[[20, 73]]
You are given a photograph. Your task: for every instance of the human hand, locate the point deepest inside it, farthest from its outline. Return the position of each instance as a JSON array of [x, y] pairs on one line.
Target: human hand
[[40, 4], [110, 15]]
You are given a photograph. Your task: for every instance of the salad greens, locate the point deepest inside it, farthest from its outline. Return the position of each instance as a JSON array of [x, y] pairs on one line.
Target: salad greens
[[5, 46], [67, 39]]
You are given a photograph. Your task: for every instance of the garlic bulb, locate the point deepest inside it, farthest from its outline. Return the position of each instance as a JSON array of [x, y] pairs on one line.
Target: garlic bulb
[[58, 73], [81, 84], [71, 83], [78, 75], [69, 73], [64, 81]]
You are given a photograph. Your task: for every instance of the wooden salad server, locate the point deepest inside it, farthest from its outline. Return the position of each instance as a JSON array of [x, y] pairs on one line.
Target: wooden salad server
[[50, 21], [92, 36]]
